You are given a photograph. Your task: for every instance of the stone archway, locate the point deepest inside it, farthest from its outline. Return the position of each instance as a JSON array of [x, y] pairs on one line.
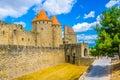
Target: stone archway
[[85, 52], [68, 55], [73, 54], [68, 58]]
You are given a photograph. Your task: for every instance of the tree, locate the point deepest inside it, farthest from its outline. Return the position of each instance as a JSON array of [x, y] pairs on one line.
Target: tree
[[109, 32]]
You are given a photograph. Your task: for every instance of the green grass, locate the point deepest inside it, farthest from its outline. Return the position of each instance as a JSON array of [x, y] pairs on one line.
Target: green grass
[[63, 71]]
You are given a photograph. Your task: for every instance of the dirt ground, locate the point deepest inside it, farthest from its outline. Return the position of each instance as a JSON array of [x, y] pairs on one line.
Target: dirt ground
[[115, 70]]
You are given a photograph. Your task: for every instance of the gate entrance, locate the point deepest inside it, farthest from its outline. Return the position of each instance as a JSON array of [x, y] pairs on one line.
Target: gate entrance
[[74, 58], [85, 52]]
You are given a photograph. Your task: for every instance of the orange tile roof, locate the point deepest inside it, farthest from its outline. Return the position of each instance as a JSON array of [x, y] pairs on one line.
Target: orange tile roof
[[70, 30], [41, 16], [54, 21]]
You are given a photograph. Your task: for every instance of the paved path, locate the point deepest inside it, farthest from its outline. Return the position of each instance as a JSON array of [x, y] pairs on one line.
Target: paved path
[[100, 70]]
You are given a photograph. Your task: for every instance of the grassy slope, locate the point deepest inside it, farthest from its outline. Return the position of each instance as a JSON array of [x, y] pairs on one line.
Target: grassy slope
[[63, 71]]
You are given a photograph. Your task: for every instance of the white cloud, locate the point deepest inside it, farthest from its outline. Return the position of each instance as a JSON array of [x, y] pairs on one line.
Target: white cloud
[[56, 7], [21, 22], [77, 17], [98, 17], [16, 8], [87, 38], [89, 15], [112, 3], [83, 27]]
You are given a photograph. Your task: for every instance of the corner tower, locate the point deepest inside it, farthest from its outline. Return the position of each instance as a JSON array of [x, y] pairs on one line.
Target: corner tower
[[70, 36], [57, 32], [41, 27]]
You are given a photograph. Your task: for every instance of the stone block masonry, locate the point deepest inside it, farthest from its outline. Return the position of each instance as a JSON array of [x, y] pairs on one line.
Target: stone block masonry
[[27, 59]]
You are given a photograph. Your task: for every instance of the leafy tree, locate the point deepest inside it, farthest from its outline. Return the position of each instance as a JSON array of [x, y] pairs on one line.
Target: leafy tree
[[109, 32]]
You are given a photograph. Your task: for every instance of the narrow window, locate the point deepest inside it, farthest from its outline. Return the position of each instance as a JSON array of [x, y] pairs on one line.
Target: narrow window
[[14, 32], [28, 39], [3, 33], [41, 28], [22, 39]]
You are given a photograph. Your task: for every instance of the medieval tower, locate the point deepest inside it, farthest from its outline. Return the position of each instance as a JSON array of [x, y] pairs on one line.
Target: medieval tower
[[70, 36], [48, 32]]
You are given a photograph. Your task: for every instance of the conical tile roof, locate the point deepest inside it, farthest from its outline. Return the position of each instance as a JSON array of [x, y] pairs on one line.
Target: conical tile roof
[[41, 16], [54, 21], [70, 29]]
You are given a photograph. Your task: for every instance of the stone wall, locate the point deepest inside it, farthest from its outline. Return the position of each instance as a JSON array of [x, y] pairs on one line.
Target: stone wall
[[16, 61], [57, 35], [13, 34], [74, 52]]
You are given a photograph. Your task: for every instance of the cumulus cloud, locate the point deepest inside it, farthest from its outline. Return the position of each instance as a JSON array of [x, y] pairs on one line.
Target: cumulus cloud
[[112, 3], [87, 38], [89, 15], [56, 7], [82, 27], [85, 26], [17, 8], [98, 17], [21, 22]]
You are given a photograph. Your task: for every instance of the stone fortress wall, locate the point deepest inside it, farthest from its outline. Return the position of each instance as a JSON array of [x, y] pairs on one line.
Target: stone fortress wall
[[13, 34], [23, 52], [24, 60]]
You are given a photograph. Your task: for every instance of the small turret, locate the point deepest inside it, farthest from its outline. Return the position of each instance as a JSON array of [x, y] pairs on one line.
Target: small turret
[[57, 32], [55, 21]]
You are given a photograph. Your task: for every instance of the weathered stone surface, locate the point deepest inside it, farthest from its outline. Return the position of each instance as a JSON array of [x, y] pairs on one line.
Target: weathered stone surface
[[16, 64]]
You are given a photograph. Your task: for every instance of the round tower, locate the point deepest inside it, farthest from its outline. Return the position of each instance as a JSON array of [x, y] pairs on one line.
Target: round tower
[[57, 32], [41, 26]]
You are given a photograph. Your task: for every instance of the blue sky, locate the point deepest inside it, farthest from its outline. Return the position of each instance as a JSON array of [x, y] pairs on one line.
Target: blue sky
[[81, 15]]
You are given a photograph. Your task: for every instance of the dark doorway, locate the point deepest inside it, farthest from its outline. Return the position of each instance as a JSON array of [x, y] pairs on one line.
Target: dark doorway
[[68, 58], [85, 52], [74, 58]]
